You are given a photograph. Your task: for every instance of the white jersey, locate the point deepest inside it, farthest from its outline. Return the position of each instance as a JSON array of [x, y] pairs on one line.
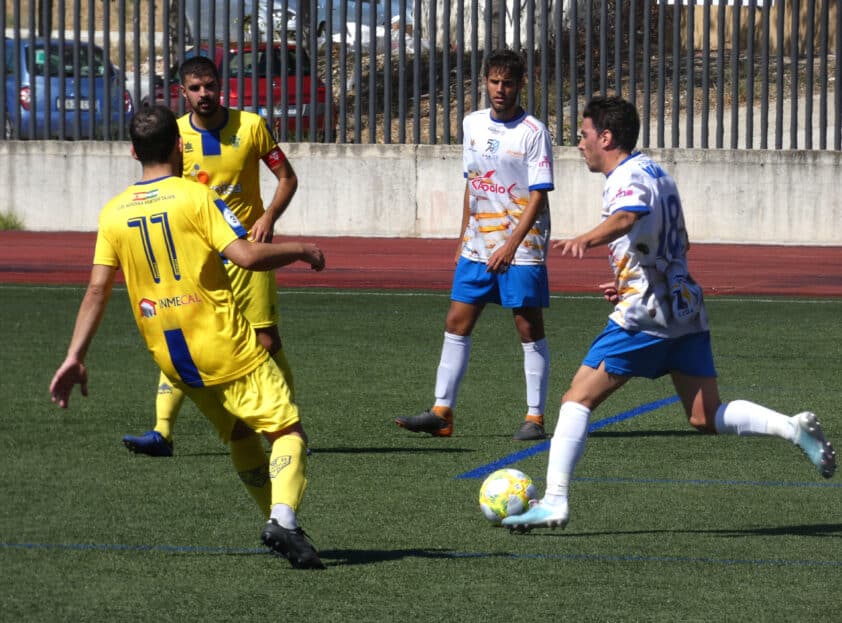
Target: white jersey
[[503, 162], [657, 294]]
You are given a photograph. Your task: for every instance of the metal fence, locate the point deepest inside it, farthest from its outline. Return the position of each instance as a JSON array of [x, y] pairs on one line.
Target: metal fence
[[753, 74]]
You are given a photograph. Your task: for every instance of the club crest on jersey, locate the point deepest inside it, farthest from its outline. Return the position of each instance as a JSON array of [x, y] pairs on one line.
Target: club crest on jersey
[[492, 146]]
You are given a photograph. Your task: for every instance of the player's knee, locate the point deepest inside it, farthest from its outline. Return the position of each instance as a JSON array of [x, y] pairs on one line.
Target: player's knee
[[294, 429]]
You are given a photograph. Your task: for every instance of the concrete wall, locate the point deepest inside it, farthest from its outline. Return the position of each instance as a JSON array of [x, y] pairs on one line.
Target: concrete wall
[[771, 197]]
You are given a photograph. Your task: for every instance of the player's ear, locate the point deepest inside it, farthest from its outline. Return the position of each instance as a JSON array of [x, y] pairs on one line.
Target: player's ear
[[134, 153]]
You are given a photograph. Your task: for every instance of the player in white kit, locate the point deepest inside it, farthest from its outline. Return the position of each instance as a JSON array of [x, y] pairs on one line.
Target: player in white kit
[[500, 258], [658, 326]]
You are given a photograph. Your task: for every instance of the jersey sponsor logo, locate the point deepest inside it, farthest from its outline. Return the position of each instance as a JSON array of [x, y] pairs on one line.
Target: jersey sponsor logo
[[223, 190], [179, 300], [623, 192], [546, 163], [147, 308], [484, 183]]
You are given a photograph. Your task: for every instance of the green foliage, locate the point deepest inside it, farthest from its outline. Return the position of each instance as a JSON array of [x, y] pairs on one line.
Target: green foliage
[[9, 221], [666, 524]]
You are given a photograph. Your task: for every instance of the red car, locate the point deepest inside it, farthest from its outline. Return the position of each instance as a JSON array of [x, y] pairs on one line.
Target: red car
[[255, 66], [296, 109]]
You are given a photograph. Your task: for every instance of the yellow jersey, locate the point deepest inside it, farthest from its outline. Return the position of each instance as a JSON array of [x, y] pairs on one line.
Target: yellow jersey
[[167, 235], [227, 159]]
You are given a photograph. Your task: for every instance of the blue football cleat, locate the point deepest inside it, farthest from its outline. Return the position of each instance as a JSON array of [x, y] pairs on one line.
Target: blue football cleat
[[151, 443], [815, 445]]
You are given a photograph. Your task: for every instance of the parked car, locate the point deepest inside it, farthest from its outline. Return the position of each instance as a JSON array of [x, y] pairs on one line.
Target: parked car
[[201, 30], [255, 64], [254, 68], [84, 91]]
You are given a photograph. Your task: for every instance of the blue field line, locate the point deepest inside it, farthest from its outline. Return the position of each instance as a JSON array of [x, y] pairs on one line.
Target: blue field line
[[180, 549], [485, 470]]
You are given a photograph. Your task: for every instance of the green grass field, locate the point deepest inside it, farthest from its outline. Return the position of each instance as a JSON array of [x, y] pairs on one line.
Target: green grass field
[[666, 524]]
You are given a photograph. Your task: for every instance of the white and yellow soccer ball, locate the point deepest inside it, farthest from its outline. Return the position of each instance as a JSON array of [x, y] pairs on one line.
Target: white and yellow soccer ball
[[505, 492]]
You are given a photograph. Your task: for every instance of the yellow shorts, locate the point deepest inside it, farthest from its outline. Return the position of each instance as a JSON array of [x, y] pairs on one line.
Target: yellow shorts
[[256, 293], [261, 399]]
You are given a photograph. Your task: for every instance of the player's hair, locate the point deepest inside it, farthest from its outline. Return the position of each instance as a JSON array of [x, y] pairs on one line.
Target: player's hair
[[507, 62], [616, 115], [154, 133], [198, 66]]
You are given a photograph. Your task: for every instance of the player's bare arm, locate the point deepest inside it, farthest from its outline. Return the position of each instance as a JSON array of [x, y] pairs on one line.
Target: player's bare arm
[[73, 371], [616, 225], [501, 259], [262, 256], [264, 227]]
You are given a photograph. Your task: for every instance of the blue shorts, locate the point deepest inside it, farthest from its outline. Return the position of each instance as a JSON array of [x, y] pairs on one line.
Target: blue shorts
[[519, 286], [634, 353]]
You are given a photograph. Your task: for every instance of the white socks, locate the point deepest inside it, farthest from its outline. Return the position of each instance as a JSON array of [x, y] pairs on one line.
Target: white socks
[[741, 417], [536, 368], [566, 448], [285, 516], [455, 353]]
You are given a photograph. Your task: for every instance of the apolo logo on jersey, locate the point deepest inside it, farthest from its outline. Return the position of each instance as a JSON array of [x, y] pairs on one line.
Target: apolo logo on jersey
[[484, 183]]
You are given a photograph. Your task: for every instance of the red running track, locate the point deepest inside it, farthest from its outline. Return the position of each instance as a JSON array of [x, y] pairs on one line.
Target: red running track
[[427, 264]]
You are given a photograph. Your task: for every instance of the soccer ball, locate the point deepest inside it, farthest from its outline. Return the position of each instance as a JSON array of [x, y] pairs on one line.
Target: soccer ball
[[505, 492]]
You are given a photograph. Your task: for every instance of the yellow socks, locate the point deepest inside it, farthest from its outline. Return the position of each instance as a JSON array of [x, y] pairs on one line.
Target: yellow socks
[[287, 467], [252, 466], [167, 406]]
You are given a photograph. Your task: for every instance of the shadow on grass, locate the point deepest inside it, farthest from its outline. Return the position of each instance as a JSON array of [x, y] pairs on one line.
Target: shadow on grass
[[373, 556]]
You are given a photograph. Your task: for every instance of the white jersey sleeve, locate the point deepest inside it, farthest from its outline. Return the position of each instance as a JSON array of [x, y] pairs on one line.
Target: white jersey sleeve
[[503, 162], [657, 294]]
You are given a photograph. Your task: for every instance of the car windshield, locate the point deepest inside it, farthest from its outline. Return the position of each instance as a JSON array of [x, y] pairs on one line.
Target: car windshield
[[255, 63], [50, 59]]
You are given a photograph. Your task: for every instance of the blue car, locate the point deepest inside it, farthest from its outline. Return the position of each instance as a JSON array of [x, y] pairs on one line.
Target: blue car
[[62, 90]]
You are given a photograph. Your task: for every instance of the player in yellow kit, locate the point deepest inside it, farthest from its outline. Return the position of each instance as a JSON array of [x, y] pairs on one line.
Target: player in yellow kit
[[167, 235], [223, 149]]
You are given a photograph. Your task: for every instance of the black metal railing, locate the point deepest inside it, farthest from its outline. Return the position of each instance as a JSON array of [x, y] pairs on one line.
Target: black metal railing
[[749, 74]]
